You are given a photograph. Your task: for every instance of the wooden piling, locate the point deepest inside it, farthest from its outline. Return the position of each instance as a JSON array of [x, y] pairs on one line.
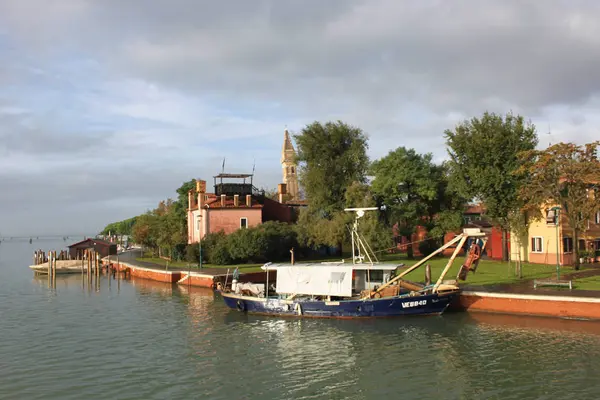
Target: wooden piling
[[49, 273], [89, 266], [427, 275], [54, 269]]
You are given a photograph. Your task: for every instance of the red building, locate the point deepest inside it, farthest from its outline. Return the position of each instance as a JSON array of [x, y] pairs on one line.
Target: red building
[[232, 206]]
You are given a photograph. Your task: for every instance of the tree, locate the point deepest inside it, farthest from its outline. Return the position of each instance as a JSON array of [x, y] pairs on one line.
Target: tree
[[145, 230], [566, 175], [415, 192], [120, 227], [483, 160], [331, 157]]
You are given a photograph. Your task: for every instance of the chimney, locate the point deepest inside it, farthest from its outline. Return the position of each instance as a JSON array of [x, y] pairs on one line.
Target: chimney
[[281, 191], [200, 186], [236, 200], [223, 200], [201, 189], [248, 200]]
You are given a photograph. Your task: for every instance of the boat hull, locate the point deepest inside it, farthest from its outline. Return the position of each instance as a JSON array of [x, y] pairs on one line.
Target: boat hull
[[428, 304]]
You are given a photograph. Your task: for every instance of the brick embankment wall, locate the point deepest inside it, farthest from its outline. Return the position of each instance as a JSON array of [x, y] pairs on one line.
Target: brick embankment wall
[[530, 304]]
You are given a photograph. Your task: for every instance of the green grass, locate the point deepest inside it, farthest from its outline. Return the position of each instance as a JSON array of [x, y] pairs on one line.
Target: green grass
[[184, 264], [488, 272], [590, 283]]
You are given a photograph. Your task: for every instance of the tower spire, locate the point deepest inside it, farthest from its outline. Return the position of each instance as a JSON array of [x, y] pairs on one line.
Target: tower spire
[[288, 164]]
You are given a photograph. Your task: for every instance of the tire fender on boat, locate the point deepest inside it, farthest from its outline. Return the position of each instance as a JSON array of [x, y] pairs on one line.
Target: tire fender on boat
[[298, 309], [240, 305]]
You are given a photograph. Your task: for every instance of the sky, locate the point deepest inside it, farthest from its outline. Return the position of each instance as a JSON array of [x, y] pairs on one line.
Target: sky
[[106, 107]]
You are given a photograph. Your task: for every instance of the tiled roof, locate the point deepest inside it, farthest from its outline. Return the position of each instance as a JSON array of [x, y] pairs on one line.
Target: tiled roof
[[475, 209]]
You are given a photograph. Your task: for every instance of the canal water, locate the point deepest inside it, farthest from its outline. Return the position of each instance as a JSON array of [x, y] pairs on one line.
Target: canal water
[[145, 340]]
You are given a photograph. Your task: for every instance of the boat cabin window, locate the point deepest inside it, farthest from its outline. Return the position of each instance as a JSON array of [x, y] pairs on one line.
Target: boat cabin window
[[375, 275]]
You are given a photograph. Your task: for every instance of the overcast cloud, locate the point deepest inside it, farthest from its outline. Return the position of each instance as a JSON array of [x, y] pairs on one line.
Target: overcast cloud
[[107, 106]]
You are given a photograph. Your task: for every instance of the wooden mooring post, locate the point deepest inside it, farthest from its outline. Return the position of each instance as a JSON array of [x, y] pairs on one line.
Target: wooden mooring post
[[88, 256], [49, 272], [54, 269]]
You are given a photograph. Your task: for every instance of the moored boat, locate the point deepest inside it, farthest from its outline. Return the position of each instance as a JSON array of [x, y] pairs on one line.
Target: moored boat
[[363, 288]]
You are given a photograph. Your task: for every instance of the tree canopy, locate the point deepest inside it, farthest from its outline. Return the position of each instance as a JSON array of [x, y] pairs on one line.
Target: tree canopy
[[415, 192], [484, 155], [331, 157]]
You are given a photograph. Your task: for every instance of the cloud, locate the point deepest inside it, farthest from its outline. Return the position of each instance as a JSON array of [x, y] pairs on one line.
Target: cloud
[[131, 98]]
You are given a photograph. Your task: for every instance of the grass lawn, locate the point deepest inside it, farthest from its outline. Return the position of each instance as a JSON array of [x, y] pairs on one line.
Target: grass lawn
[[184, 264], [589, 283], [488, 272]]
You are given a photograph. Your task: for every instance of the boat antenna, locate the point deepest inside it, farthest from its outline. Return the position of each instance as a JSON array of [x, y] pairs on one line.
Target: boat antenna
[[358, 244]]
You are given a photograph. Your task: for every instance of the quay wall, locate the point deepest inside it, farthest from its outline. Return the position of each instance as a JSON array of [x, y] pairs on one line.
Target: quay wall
[[575, 307]]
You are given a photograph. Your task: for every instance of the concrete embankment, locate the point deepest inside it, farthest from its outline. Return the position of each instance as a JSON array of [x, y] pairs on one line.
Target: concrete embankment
[[551, 303], [206, 277], [62, 267], [507, 299]]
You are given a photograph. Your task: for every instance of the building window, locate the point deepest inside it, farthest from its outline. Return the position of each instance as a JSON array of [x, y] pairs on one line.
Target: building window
[[536, 245], [582, 246], [198, 223], [292, 170], [551, 217], [243, 222], [597, 218], [567, 245]]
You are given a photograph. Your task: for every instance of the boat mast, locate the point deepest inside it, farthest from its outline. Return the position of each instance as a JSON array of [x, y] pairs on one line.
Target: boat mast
[[359, 244], [357, 241]]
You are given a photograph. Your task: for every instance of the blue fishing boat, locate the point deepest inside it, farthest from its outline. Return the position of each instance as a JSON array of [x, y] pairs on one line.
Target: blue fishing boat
[[361, 289]]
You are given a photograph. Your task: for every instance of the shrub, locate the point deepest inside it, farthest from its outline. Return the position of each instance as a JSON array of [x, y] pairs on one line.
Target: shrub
[[219, 254], [192, 253]]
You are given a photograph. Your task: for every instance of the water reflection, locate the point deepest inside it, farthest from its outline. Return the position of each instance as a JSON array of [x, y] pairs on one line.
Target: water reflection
[[144, 339], [540, 324]]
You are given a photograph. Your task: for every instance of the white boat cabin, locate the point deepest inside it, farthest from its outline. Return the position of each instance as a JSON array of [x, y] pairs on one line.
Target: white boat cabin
[[329, 279]]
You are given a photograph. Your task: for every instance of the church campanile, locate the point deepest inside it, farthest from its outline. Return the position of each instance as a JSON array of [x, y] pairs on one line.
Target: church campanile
[[288, 164]]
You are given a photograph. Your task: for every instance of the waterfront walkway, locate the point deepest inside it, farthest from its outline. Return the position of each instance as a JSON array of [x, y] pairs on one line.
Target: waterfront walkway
[[130, 257]]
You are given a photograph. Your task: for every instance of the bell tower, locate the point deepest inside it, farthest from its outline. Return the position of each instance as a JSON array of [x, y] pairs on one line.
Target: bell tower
[[288, 164]]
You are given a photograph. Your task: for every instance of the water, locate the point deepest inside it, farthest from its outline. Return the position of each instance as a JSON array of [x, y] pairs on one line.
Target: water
[[147, 340]]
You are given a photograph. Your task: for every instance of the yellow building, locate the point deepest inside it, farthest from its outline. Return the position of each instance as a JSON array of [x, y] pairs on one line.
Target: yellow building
[[541, 247]]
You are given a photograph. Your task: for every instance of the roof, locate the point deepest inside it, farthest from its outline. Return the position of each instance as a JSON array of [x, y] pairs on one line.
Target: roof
[[215, 203], [474, 209], [96, 241], [349, 265], [233, 176]]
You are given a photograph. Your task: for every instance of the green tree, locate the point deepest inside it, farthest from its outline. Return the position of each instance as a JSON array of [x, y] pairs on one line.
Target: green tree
[[119, 228], [331, 157], [483, 160], [567, 175], [415, 192], [145, 230]]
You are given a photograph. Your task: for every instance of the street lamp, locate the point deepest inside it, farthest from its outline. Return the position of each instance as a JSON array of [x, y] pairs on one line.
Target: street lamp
[[556, 210]]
